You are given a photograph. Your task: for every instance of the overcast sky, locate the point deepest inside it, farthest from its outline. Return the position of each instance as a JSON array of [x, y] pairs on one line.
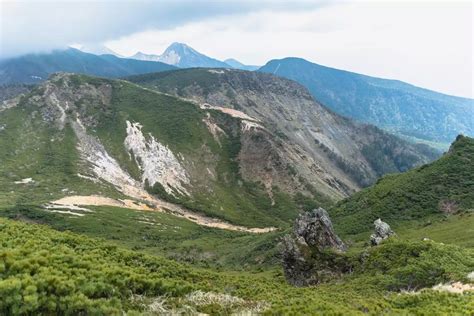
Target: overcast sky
[[426, 43]]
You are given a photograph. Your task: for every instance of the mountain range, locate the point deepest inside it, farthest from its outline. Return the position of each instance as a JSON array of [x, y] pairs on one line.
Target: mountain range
[[35, 68], [403, 109], [183, 56], [413, 113]]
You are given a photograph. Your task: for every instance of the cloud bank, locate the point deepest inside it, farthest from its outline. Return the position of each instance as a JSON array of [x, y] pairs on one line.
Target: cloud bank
[[36, 25]]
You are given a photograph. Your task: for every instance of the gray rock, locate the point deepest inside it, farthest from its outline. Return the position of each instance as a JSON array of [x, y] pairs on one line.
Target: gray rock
[[316, 229], [382, 231], [296, 267], [306, 260]]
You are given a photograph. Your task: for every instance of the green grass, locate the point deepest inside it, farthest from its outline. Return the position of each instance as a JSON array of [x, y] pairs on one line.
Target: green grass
[[163, 234], [43, 271], [418, 195], [456, 230], [32, 148]]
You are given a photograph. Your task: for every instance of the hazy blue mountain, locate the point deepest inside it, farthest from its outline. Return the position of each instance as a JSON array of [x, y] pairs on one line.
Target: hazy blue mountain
[[33, 68], [396, 106], [238, 65], [183, 56], [98, 49], [146, 57]]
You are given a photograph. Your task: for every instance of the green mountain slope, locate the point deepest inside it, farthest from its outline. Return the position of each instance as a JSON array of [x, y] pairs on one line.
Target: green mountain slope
[[443, 187], [43, 271], [398, 107], [79, 136], [34, 68]]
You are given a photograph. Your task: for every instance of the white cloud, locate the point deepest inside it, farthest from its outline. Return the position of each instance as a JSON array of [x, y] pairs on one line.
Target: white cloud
[[425, 43], [39, 25]]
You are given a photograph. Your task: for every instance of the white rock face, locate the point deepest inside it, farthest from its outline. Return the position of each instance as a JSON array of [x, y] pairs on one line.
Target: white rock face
[[156, 161], [228, 111], [103, 165], [249, 125]]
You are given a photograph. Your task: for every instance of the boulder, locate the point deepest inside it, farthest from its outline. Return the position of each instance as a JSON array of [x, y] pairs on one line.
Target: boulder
[[312, 253], [315, 228], [382, 232]]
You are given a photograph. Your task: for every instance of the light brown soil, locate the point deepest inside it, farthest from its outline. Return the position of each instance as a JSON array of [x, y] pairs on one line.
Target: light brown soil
[[160, 206]]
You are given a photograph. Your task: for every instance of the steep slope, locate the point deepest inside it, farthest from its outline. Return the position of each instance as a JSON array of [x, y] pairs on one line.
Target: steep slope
[[75, 136], [182, 56], [238, 65], [35, 68], [344, 155], [398, 107], [441, 188]]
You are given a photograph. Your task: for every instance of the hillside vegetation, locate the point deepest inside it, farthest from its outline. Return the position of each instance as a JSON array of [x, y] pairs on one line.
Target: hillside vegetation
[[441, 188], [41, 139], [47, 272]]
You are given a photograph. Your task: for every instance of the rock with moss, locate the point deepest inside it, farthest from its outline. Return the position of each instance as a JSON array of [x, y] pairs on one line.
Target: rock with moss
[[382, 232], [313, 253]]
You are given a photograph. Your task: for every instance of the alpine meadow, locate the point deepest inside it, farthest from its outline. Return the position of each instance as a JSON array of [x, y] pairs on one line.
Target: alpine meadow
[[236, 158]]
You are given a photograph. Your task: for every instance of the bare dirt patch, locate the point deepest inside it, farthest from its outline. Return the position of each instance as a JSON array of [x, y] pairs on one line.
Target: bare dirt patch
[[160, 206]]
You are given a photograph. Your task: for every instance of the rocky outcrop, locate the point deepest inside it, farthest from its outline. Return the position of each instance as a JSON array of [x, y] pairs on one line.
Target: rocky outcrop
[[313, 252], [296, 266], [382, 232], [156, 161], [315, 228]]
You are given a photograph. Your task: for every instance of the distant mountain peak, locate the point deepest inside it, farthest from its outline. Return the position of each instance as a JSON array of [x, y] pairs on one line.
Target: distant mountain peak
[[97, 49], [184, 56], [181, 46], [145, 57]]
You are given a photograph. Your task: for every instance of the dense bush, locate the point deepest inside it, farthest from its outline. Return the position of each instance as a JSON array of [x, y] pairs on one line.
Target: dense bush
[[413, 265], [51, 273], [43, 271]]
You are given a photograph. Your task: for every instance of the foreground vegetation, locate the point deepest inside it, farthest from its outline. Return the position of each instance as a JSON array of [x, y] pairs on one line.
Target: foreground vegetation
[[49, 272]]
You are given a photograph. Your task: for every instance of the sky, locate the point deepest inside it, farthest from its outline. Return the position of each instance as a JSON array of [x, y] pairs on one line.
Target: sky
[[426, 43]]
